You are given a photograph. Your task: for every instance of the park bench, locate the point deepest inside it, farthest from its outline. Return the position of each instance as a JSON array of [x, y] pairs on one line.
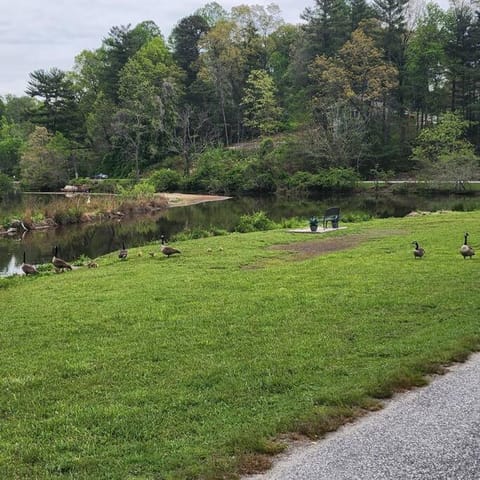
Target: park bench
[[332, 215]]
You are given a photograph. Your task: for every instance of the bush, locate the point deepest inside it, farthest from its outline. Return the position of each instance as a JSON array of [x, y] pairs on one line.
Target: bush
[[141, 190], [343, 179], [165, 180], [334, 179], [266, 146], [257, 221], [68, 216]]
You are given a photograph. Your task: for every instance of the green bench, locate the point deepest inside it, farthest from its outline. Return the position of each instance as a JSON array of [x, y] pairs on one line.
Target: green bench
[[331, 215]]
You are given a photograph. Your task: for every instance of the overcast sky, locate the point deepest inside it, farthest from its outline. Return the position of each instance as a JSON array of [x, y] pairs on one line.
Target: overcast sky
[[40, 34]]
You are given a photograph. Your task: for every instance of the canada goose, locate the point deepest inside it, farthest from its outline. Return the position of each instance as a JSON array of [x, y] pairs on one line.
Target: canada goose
[[123, 253], [27, 268], [58, 263], [418, 252], [166, 250], [466, 250]]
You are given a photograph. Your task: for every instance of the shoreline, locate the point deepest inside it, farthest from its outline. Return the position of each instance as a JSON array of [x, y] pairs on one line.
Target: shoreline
[[173, 200]]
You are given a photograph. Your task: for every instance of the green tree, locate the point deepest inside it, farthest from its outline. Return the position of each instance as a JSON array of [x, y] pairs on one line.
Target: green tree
[[360, 10], [44, 164], [351, 93], [59, 108], [212, 13], [327, 26], [462, 60], [359, 75], [443, 152], [261, 110], [393, 17], [254, 24], [149, 91], [447, 137], [11, 143], [19, 110], [117, 48], [222, 66], [185, 42], [426, 66]]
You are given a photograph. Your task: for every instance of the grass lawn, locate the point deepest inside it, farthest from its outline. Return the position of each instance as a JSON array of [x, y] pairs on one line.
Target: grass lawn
[[192, 367]]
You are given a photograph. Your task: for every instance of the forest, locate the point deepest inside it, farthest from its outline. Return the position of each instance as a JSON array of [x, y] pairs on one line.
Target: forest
[[239, 101]]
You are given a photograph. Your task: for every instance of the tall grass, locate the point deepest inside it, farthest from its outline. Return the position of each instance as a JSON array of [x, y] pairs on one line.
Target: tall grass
[[86, 207], [191, 367]]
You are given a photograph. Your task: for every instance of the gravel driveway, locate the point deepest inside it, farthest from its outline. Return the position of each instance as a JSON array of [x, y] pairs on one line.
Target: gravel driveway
[[430, 433]]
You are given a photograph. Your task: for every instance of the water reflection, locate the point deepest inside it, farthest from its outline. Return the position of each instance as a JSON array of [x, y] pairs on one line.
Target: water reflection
[[93, 240]]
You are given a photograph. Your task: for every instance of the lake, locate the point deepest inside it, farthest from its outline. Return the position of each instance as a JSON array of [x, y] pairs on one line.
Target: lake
[[96, 239]]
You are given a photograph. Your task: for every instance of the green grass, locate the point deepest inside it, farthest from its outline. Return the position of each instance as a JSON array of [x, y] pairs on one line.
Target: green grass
[[181, 368]]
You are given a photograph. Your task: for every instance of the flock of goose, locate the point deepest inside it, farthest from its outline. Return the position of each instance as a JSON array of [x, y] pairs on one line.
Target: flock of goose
[[465, 250], [61, 265], [165, 249]]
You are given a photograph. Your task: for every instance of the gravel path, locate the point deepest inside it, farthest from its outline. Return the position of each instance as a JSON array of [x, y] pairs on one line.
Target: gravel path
[[431, 433]]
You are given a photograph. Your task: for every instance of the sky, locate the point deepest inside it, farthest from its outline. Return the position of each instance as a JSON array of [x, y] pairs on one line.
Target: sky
[[41, 34]]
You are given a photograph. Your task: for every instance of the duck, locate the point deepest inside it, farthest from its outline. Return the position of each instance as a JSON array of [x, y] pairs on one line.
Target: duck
[[166, 250], [27, 268], [418, 252], [58, 263], [466, 250], [123, 253]]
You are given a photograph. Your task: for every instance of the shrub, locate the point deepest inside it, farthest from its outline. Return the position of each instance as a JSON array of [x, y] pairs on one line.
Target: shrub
[[141, 190], [165, 180], [257, 221], [68, 215], [266, 146]]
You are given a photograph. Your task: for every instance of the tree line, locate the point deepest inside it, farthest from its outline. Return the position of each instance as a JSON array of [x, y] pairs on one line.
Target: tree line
[[358, 87]]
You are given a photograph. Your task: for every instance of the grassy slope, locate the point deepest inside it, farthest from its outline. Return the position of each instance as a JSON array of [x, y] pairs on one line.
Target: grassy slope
[[172, 368]]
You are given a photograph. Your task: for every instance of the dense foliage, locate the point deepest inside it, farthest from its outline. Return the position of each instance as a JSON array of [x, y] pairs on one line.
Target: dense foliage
[[357, 86]]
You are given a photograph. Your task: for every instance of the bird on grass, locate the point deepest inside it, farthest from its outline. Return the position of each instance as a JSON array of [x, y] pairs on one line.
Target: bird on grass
[[466, 250], [167, 250], [418, 251], [58, 263], [92, 264], [27, 268], [123, 253]]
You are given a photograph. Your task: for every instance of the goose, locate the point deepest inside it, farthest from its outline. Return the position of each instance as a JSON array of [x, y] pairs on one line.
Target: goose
[[418, 252], [466, 250], [58, 263], [27, 268], [166, 250], [123, 253]]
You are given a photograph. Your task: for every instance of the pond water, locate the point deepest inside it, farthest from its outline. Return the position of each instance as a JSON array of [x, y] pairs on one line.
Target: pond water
[[96, 239]]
